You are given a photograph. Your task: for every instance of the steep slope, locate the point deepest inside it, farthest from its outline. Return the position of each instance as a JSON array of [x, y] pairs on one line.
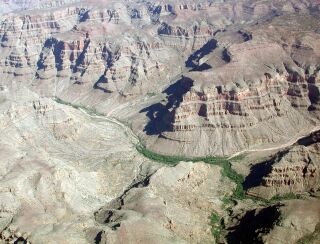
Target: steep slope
[[293, 170], [264, 91], [88, 87]]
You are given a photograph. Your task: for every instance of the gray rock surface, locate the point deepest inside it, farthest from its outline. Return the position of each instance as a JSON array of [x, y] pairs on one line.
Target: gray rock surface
[[82, 83]]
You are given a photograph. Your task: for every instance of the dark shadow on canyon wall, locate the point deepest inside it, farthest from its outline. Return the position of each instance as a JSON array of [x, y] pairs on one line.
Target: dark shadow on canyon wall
[[253, 224], [310, 139], [161, 114], [202, 67], [193, 60], [101, 80], [313, 94], [258, 171]]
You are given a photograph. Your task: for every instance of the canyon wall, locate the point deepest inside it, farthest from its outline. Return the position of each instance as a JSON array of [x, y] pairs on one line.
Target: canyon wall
[[294, 170], [263, 91]]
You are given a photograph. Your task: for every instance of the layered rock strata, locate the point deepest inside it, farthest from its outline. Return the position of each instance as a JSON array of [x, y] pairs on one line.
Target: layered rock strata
[[62, 48], [295, 170], [291, 222], [261, 93]]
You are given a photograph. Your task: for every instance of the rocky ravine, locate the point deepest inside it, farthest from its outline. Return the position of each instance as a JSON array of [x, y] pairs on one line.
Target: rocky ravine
[[67, 176], [295, 221], [84, 82], [264, 90], [293, 170]]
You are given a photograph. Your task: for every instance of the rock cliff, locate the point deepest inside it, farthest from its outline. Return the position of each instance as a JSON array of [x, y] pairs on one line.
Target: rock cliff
[[84, 83], [261, 92], [295, 170]]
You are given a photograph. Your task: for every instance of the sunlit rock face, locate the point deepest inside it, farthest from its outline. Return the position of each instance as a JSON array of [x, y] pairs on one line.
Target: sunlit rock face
[[82, 83], [294, 170], [262, 89]]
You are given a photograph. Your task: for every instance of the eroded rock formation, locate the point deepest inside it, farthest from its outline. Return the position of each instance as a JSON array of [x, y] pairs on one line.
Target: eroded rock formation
[[82, 83], [288, 222], [261, 92], [295, 170]]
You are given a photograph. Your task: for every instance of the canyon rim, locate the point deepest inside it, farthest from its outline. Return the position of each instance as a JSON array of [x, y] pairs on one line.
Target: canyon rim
[[169, 121]]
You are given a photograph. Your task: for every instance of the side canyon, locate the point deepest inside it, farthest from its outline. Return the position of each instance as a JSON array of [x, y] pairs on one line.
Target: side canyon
[[172, 121]]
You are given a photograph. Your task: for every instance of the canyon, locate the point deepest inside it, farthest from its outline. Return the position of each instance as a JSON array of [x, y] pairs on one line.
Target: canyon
[[186, 121]]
